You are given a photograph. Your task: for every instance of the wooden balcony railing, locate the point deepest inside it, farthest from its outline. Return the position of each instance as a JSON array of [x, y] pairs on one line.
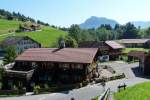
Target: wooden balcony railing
[[19, 74]]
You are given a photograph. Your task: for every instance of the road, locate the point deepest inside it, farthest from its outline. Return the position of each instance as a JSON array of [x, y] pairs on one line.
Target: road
[[85, 93], [132, 73]]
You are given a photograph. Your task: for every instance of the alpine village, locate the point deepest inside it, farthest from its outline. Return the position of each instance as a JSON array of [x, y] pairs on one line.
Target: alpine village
[[72, 63]]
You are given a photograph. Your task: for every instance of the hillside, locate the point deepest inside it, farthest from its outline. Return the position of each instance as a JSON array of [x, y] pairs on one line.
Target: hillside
[[7, 26], [47, 36], [95, 22]]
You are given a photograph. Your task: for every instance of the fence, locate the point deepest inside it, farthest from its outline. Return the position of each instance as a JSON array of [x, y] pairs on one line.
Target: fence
[[105, 95]]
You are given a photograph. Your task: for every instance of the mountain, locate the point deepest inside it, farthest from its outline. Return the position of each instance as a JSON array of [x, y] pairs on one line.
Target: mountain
[[142, 24], [95, 22]]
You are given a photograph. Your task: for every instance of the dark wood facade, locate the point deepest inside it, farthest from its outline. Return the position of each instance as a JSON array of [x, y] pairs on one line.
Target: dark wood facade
[[27, 73], [51, 73], [144, 64], [144, 60]]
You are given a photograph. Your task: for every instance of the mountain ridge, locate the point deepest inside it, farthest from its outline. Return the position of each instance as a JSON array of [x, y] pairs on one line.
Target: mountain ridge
[[95, 22]]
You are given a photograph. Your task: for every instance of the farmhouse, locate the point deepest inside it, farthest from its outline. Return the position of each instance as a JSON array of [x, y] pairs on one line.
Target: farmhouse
[[35, 27], [144, 60], [111, 48], [135, 43], [28, 27], [53, 66], [21, 43]]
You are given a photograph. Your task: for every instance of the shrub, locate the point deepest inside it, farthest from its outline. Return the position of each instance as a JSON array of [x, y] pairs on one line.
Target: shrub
[[46, 86], [36, 89]]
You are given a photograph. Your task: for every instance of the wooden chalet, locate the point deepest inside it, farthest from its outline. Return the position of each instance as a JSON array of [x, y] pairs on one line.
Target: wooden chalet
[[52, 66], [111, 48]]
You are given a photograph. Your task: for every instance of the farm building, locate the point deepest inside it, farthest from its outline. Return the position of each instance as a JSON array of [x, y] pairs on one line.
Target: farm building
[[21, 43], [53, 66], [144, 60], [28, 27], [135, 43], [110, 48]]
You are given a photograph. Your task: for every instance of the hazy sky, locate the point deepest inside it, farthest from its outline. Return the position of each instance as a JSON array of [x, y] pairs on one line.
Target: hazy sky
[[67, 12]]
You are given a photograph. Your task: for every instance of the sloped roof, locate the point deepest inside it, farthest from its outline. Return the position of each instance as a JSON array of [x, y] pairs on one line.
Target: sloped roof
[[137, 54], [134, 40], [101, 45], [114, 45], [13, 40], [68, 55]]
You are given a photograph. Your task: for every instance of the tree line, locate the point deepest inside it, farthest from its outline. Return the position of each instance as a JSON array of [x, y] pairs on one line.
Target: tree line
[[105, 32], [18, 16]]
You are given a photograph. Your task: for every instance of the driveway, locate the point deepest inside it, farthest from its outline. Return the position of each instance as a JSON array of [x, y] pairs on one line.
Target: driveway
[[123, 67], [132, 73]]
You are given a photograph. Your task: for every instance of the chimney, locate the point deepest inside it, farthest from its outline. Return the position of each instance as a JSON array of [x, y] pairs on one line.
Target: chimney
[[62, 44]]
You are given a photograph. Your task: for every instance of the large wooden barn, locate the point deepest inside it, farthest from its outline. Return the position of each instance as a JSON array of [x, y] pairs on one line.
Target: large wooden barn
[[52, 66]]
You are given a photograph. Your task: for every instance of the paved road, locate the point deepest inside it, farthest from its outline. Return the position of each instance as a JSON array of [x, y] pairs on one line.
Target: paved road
[[130, 70], [132, 73], [85, 93]]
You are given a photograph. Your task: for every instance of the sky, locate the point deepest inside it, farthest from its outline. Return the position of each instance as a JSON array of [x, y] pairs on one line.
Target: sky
[[67, 12]]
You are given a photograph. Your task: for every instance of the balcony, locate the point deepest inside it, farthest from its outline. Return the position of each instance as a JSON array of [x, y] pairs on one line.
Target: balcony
[[19, 74]]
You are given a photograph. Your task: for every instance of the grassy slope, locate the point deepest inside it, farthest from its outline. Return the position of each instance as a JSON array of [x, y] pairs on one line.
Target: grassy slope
[[126, 50], [6, 26], [137, 92], [47, 37]]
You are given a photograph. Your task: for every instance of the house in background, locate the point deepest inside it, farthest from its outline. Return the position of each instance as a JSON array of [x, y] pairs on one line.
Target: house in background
[[21, 43], [53, 66], [144, 60], [107, 49], [135, 43], [28, 27]]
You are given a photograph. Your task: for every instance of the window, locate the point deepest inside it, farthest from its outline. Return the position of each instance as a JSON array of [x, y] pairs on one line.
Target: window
[[78, 66], [65, 65], [34, 64]]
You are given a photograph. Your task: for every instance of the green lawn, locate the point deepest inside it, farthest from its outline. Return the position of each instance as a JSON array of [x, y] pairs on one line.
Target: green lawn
[[6, 26], [126, 50], [137, 92], [47, 37]]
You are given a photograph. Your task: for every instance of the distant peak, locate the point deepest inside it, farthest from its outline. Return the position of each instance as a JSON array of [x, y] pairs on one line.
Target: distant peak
[[95, 22], [98, 17]]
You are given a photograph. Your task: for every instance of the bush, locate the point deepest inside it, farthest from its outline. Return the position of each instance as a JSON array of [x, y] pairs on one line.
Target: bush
[[46, 86], [84, 83], [36, 89]]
